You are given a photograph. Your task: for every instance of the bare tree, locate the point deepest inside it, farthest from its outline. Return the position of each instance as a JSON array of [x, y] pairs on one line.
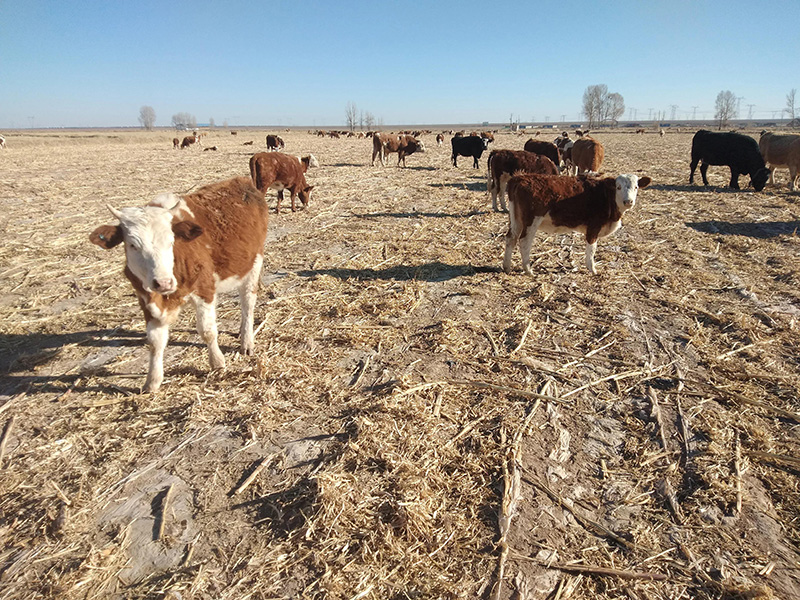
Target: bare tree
[[725, 108], [599, 105], [211, 122], [593, 103], [184, 120], [791, 109], [351, 115], [147, 117], [369, 121], [615, 106]]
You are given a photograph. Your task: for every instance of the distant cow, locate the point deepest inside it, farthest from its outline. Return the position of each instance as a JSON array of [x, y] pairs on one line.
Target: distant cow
[[545, 149], [2, 142], [192, 247], [470, 145], [587, 155], [590, 205], [737, 151], [189, 140], [176, 143], [776, 150], [234, 133], [387, 143], [273, 170], [249, 143], [439, 139], [505, 163], [214, 148], [307, 161], [274, 142]]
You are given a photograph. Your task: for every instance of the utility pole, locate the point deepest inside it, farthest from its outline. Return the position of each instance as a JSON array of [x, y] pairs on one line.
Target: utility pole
[[694, 113], [739, 105], [674, 108], [563, 117], [750, 112], [650, 114]]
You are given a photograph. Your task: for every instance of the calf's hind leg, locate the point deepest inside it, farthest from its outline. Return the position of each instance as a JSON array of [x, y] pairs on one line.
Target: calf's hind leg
[[207, 328]]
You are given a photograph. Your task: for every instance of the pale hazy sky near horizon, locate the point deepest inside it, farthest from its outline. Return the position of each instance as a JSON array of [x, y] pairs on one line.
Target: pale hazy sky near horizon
[[94, 64]]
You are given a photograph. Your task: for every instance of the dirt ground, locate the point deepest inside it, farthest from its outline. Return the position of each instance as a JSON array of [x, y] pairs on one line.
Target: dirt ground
[[414, 423]]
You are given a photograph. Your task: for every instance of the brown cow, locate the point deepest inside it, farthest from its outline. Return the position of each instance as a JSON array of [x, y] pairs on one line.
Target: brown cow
[[505, 163], [545, 149], [590, 205], [776, 150], [176, 143], [192, 247], [387, 143], [439, 139], [279, 172], [587, 155], [189, 140], [274, 142]]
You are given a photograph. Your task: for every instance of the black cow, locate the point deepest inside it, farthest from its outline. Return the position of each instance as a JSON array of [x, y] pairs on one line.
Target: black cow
[[737, 151], [470, 145]]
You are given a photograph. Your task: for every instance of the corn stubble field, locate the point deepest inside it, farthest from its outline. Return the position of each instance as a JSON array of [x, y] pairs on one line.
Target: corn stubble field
[[414, 423]]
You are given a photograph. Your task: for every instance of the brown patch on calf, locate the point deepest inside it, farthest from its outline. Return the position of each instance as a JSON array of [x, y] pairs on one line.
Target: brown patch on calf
[[547, 149], [588, 154], [107, 236]]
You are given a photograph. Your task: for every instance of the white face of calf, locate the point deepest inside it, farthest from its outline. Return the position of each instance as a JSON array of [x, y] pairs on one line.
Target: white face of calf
[[148, 233], [627, 188]]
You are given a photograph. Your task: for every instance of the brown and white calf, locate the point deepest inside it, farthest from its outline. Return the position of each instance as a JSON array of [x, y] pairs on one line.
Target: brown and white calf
[[587, 155], [176, 143], [2, 142], [387, 143], [189, 140], [272, 170], [776, 150], [439, 139], [192, 248], [505, 163], [590, 205], [274, 142]]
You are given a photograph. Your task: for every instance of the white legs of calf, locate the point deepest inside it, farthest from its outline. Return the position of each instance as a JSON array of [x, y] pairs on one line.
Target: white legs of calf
[[157, 336], [207, 328]]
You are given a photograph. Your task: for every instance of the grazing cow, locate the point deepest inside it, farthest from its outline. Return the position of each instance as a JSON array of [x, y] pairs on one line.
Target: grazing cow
[[776, 149], [192, 247], [176, 143], [234, 133], [214, 148], [587, 155], [640, 131], [589, 205], [545, 149], [250, 143], [505, 163], [581, 132], [274, 142], [334, 134], [470, 145], [662, 133], [439, 139], [2, 142], [387, 143], [279, 172], [737, 151], [487, 135], [189, 140]]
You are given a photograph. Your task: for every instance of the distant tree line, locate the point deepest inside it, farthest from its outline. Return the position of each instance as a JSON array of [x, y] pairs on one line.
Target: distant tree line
[[358, 118], [184, 120]]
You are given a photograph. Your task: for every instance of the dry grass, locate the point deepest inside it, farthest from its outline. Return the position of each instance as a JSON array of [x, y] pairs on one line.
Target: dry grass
[[638, 438]]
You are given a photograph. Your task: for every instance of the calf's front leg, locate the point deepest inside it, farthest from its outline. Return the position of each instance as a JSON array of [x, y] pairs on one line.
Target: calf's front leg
[[207, 328], [591, 248], [247, 297], [157, 336]]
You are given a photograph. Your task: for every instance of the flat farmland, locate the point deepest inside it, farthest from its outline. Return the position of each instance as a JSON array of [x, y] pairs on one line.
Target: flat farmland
[[414, 422]]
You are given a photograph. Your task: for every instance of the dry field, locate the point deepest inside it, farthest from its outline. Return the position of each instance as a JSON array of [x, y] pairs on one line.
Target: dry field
[[415, 423]]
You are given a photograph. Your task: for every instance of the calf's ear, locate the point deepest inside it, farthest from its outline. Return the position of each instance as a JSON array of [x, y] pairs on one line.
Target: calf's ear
[[186, 230], [644, 181], [106, 236]]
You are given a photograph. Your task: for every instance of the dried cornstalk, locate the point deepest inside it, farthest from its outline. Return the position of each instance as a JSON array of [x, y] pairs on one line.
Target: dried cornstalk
[[4, 438]]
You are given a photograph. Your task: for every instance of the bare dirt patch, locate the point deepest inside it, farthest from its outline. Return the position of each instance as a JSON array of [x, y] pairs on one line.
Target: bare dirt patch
[[639, 427]]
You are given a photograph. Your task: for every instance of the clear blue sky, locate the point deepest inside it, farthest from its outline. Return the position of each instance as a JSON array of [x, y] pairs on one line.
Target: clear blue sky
[[91, 63]]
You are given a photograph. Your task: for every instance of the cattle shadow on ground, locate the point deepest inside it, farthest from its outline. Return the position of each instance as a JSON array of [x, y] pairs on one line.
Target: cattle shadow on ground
[[417, 214], [763, 230], [697, 188], [422, 168], [430, 272], [349, 164], [474, 186]]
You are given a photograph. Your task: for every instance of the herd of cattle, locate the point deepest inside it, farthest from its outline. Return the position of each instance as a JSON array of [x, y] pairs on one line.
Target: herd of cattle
[[193, 247]]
